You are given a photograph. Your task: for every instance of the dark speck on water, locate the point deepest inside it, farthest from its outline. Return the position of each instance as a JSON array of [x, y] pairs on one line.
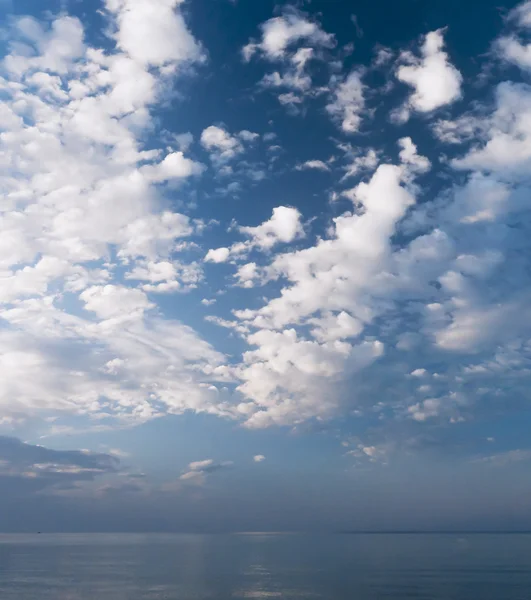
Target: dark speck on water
[[223, 567]]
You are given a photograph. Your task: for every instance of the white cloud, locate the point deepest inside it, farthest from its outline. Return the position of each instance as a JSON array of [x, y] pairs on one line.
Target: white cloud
[[218, 255], [363, 162], [280, 38], [153, 34], [295, 79], [521, 14], [283, 227], [409, 156], [286, 375], [457, 131], [166, 276], [507, 151], [173, 166], [435, 80], [127, 364], [57, 49], [372, 454], [318, 165], [247, 274], [259, 458], [356, 319], [248, 136], [200, 465], [112, 301], [418, 373], [153, 235], [510, 47], [220, 143], [199, 470], [279, 33], [317, 271], [82, 203], [290, 99], [184, 141], [331, 327], [348, 102], [425, 410], [512, 50]]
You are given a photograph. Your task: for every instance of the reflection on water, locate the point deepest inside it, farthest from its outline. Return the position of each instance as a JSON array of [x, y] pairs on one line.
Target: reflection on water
[[340, 567]]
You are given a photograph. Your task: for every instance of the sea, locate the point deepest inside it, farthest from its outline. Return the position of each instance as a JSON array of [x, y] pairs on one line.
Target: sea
[[284, 566]]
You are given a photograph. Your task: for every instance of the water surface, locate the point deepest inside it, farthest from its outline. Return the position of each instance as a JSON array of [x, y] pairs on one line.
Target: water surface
[[222, 567]]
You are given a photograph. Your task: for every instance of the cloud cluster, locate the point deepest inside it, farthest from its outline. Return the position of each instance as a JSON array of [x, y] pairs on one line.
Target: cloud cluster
[[329, 296], [411, 303], [85, 230], [27, 468], [399, 287], [280, 38]]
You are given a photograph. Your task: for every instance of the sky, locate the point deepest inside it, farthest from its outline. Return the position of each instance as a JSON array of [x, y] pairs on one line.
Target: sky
[[265, 266]]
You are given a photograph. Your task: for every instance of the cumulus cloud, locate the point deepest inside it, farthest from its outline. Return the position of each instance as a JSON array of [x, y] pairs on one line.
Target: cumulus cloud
[[154, 34], [220, 143], [283, 227], [218, 255], [506, 152], [280, 33], [435, 80], [259, 458], [408, 302], [247, 274], [166, 276], [83, 202], [348, 102], [340, 311], [286, 374], [174, 166]]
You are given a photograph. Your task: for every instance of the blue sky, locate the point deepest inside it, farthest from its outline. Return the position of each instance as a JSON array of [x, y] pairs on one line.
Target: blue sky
[[265, 266]]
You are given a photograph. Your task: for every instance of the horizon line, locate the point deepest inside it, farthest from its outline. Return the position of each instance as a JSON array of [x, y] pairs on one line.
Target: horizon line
[[273, 533]]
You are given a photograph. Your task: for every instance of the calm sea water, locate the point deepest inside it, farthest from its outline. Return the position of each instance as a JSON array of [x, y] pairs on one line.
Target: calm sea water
[[335, 567]]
